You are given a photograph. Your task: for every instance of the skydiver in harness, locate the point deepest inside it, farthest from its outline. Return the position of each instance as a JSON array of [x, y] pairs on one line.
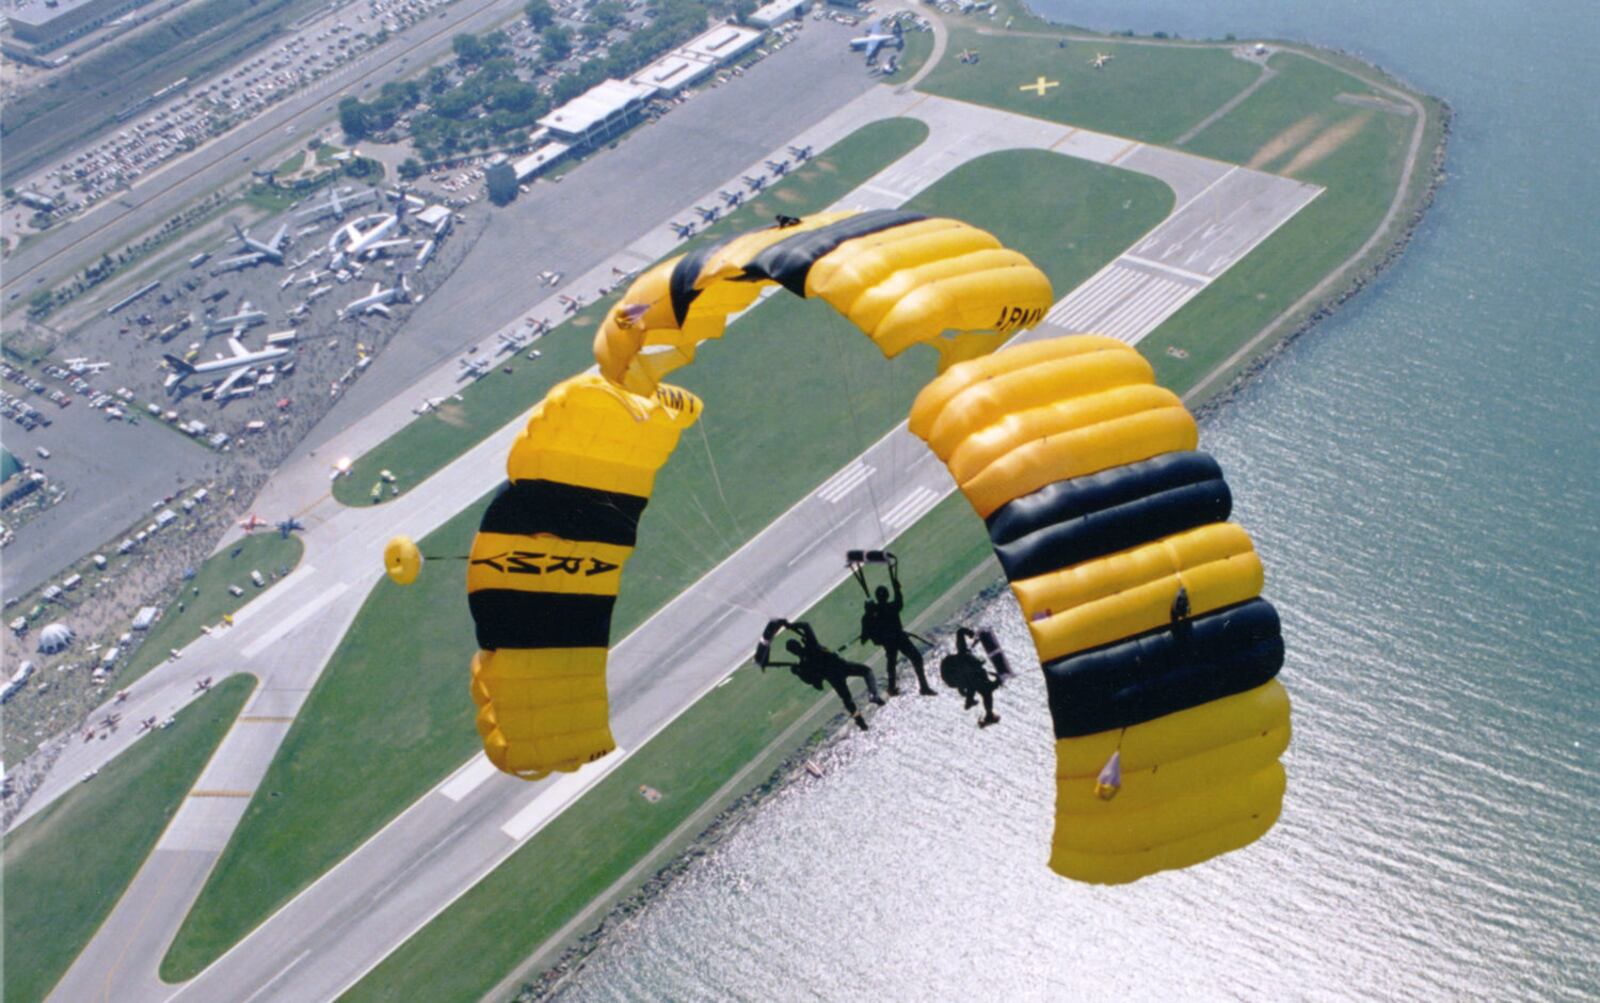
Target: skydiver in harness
[[880, 619], [965, 673], [815, 664]]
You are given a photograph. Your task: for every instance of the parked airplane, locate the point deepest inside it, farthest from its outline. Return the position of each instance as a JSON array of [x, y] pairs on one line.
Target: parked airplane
[[1100, 60], [708, 214], [290, 525], [202, 685], [801, 152], [251, 523], [110, 722], [683, 230], [357, 243], [877, 38], [572, 304], [78, 367], [268, 250], [472, 369], [377, 301], [755, 183], [246, 317], [336, 205], [778, 167], [235, 364], [148, 724], [509, 343], [551, 279], [121, 696], [731, 198]]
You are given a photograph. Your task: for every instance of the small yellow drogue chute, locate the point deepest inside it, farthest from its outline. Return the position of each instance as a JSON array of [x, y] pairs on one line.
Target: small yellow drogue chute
[[402, 560]]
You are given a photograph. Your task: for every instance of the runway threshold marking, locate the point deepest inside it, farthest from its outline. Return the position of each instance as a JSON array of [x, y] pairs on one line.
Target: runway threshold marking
[[1170, 269], [555, 798], [469, 778], [219, 794]]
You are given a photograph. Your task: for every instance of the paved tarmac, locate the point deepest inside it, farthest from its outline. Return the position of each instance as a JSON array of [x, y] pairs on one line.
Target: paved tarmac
[[352, 917]]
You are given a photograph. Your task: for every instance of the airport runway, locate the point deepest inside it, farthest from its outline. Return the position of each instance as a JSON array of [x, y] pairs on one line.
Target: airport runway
[[327, 937]]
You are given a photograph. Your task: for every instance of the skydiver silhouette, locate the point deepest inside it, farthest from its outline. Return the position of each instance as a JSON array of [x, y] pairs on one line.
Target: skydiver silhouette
[[880, 625], [815, 664], [964, 672]]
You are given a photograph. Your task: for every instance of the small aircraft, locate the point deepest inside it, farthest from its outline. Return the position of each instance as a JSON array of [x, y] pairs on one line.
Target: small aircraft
[[538, 327], [731, 198], [877, 38], [551, 279], [251, 523], [967, 56], [88, 736], [510, 343], [428, 404], [288, 280], [1100, 60], [89, 775], [778, 167], [571, 304], [755, 183], [111, 721], [148, 724], [202, 685], [472, 369], [709, 215], [800, 152], [377, 301], [290, 525], [121, 696], [79, 367], [683, 230]]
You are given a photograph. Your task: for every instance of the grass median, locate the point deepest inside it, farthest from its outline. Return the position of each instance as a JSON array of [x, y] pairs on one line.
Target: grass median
[[1301, 123], [793, 393], [426, 445], [66, 867], [1153, 93]]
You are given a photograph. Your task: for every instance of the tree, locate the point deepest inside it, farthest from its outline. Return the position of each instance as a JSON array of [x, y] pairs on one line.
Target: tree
[[468, 49], [409, 168], [539, 14], [502, 182], [512, 95], [557, 43], [594, 32], [353, 118], [454, 104], [742, 9], [609, 13], [438, 80]]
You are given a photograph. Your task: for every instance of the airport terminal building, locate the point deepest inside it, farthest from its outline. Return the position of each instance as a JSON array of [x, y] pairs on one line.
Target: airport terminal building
[[49, 24]]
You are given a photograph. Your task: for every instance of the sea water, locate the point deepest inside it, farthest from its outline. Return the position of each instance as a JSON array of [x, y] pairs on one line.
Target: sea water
[[1422, 477]]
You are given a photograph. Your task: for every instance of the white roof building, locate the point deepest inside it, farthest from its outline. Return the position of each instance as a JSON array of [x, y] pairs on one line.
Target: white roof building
[[722, 44], [55, 637], [598, 114], [539, 159], [673, 72], [777, 12]]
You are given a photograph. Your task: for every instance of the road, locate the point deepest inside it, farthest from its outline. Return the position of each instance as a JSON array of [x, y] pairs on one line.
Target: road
[[356, 914], [157, 196]]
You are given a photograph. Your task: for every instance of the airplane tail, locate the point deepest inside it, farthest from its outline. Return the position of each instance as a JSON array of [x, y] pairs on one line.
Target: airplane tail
[[178, 365]]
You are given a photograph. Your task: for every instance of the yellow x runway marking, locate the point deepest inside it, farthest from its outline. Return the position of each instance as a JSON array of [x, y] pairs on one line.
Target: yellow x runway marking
[[1040, 86]]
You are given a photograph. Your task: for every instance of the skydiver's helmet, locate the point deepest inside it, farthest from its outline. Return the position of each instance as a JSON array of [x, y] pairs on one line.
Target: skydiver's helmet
[[882, 593], [794, 646]]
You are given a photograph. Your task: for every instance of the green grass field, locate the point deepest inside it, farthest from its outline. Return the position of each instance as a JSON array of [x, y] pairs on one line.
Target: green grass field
[[66, 867], [799, 360], [1356, 153], [1147, 92], [469, 947], [433, 440], [202, 601]]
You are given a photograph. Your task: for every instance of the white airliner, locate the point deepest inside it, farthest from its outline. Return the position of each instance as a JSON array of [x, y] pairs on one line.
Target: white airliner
[[235, 364], [377, 301]]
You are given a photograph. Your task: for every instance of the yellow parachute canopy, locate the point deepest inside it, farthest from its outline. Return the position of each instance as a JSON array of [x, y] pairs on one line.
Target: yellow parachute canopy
[[402, 560]]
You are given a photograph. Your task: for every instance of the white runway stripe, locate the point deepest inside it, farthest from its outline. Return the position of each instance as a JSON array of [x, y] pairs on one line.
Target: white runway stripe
[[911, 507], [1162, 301], [1099, 297], [845, 481]]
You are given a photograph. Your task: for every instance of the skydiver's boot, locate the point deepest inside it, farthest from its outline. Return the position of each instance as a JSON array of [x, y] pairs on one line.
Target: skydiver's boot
[[988, 719], [861, 722]]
